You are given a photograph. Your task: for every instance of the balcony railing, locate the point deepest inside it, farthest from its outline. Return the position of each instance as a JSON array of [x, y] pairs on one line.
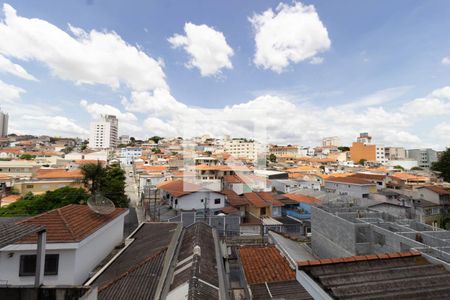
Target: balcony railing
[[298, 215]]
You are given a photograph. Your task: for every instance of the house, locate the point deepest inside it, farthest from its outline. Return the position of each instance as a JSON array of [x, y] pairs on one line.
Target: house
[[183, 195], [290, 186], [263, 204], [378, 179], [129, 154], [354, 187], [239, 202], [435, 193], [401, 180], [78, 239], [18, 168], [300, 208], [241, 183], [49, 180]]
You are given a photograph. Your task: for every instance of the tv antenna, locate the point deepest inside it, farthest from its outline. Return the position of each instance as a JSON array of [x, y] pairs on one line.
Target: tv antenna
[[100, 204]]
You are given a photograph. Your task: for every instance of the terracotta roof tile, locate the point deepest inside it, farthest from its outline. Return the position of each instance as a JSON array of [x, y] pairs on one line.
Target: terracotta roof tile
[[58, 173], [302, 198], [265, 264], [234, 199], [348, 180], [71, 223]]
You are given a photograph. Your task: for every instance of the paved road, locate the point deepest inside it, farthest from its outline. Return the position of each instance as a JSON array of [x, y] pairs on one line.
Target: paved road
[[131, 189]]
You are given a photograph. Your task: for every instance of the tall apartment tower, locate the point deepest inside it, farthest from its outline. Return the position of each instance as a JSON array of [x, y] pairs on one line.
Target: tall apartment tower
[[3, 124], [104, 133]]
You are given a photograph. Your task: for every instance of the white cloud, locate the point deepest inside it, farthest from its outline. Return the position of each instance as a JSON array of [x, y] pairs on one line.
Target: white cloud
[[128, 122], [446, 60], [9, 92], [208, 48], [442, 131], [84, 57], [435, 104], [316, 60], [292, 33], [56, 124], [8, 66]]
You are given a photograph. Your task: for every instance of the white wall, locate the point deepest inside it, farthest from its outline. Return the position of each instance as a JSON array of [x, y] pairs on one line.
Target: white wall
[[9, 267], [96, 247], [193, 201], [348, 189]]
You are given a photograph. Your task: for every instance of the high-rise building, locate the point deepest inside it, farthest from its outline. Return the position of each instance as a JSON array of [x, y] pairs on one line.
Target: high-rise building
[[364, 138], [363, 149], [104, 133], [3, 124]]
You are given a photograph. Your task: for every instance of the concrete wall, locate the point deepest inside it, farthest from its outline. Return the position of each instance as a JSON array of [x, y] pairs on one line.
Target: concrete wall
[[331, 236]]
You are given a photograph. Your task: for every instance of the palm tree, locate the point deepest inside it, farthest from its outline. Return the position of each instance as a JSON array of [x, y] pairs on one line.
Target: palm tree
[[93, 175]]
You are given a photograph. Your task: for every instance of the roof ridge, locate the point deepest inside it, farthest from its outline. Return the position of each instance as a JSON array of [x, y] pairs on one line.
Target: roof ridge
[[66, 223], [132, 269], [35, 216]]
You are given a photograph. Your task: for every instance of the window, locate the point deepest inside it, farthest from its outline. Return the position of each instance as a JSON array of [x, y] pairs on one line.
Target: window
[[28, 265], [29, 186], [217, 201], [263, 211]]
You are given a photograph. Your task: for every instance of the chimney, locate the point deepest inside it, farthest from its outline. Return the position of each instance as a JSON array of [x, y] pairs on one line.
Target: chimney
[[40, 258]]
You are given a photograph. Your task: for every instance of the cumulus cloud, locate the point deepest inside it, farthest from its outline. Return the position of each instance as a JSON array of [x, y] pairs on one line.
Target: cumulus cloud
[[58, 124], [83, 57], [207, 48], [128, 122], [446, 60], [9, 92], [291, 33], [435, 104], [7, 66]]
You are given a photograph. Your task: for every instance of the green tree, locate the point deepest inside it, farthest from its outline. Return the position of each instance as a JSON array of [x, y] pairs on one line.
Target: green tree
[[443, 165], [113, 185], [27, 156], [362, 161], [156, 150], [67, 150], [398, 167], [92, 176], [272, 158], [109, 181], [343, 148], [155, 138], [31, 204]]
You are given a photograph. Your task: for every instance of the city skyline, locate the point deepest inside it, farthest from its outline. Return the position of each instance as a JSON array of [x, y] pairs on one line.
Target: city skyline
[[388, 76]]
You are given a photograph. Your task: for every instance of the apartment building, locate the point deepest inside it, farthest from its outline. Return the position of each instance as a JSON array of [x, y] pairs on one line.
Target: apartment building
[[288, 150], [395, 153], [3, 124], [330, 141], [241, 148], [424, 157], [104, 133], [363, 149]]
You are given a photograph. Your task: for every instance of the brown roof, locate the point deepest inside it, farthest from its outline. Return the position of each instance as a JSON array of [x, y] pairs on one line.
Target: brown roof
[[71, 223], [369, 176], [262, 199], [58, 173], [234, 199], [229, 210], [437, 189], [179, 188], [302, 198], [349, 180], [264, 264]]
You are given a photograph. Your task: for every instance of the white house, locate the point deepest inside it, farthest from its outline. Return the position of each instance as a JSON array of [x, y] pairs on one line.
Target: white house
[[78, 239], [129, 154], [182, 195], [354, 187]]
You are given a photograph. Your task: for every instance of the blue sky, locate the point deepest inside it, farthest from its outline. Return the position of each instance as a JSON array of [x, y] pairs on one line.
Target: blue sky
[[379, 66]]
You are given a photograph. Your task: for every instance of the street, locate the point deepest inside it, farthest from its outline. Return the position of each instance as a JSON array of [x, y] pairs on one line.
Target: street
[[132, 191]]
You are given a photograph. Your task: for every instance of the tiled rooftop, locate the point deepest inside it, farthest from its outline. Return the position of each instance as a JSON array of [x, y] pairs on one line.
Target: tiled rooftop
[[265, 264], [71, 223]]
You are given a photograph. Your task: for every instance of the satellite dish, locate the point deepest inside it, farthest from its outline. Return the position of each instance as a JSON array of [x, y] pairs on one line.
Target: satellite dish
[[100, 204]]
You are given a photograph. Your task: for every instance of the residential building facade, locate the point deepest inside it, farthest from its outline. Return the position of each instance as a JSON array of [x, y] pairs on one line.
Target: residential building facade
[[104, 133]]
